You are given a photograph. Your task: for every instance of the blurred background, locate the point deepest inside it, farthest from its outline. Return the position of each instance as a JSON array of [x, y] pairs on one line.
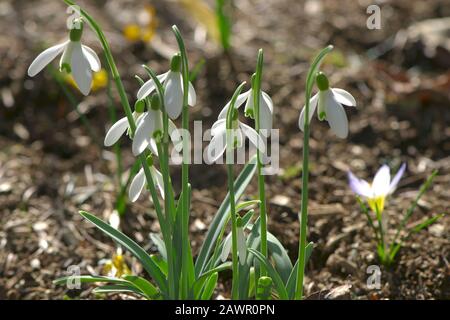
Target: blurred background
[[53, 163]]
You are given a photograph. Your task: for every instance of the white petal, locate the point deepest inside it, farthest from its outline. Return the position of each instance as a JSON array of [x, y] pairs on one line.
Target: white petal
[[226, 248], [153, 147], [44, 58], [116, 131], [344, 97], [218, 126], [175, 136], [242, 245], [143, 134], [149, 86], [239, 101], [253, 136], [381, 181], [359, 186], [337, 119], [249, 103], [312, 109], [93, 58], [266, 113], [81, 69], [397, 178], [173, 95], [217, 146], [136, 185], [192, 96], [158, 179]]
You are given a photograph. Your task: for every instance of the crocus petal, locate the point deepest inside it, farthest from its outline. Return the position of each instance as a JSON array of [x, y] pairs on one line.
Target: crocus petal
[[92, 57], [158, 179], [81, 69], [359, 186], [44, 58], [136, 186], [149, 86], [337, 119], [217, 146], [173, 95], [253, 136], [397, 178], [239, 101], [143, 134], [344, 97], [192, 96], [116, 131], [242, 245], [266, 113], [381, 181], [226, 248], [312, 109]]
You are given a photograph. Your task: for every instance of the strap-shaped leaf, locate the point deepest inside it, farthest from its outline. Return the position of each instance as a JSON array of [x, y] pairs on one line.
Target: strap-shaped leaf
[[280, 257], [160, 245], [290, 286], [200, 282], [279, 285], [88, 279], [133, 247], [143, 285], [221, 216], [119, 288], [210, 286]]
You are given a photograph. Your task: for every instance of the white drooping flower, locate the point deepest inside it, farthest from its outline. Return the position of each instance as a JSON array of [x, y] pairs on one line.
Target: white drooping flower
[[382, 186], [265, 108], [139, 181], [219, 141], [329, 102], [241, 246], [122, 125], [77, 59], [173, 89]]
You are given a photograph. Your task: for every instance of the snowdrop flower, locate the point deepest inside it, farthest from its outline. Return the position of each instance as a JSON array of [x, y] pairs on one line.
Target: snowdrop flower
[[265, 106], [150, 128], [241, 244], [173, 89], [139, 181], [240, 130], [329, 102], [381, 186], [76, 58]]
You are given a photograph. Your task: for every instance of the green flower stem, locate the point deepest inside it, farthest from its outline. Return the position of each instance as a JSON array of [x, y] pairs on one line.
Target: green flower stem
[[261, 183], [127, 109], [229, 155], [188, 277], [305, 174]]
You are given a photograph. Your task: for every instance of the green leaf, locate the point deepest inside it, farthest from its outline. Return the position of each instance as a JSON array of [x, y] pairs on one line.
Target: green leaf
[[200, 282], [150, 291], [426, 223], [210, 285], [279, 285], [147, 262], [89, 279], [221, 217], [292, 281], [160, 245], [280, 257], [118, 288], [161, 263]]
